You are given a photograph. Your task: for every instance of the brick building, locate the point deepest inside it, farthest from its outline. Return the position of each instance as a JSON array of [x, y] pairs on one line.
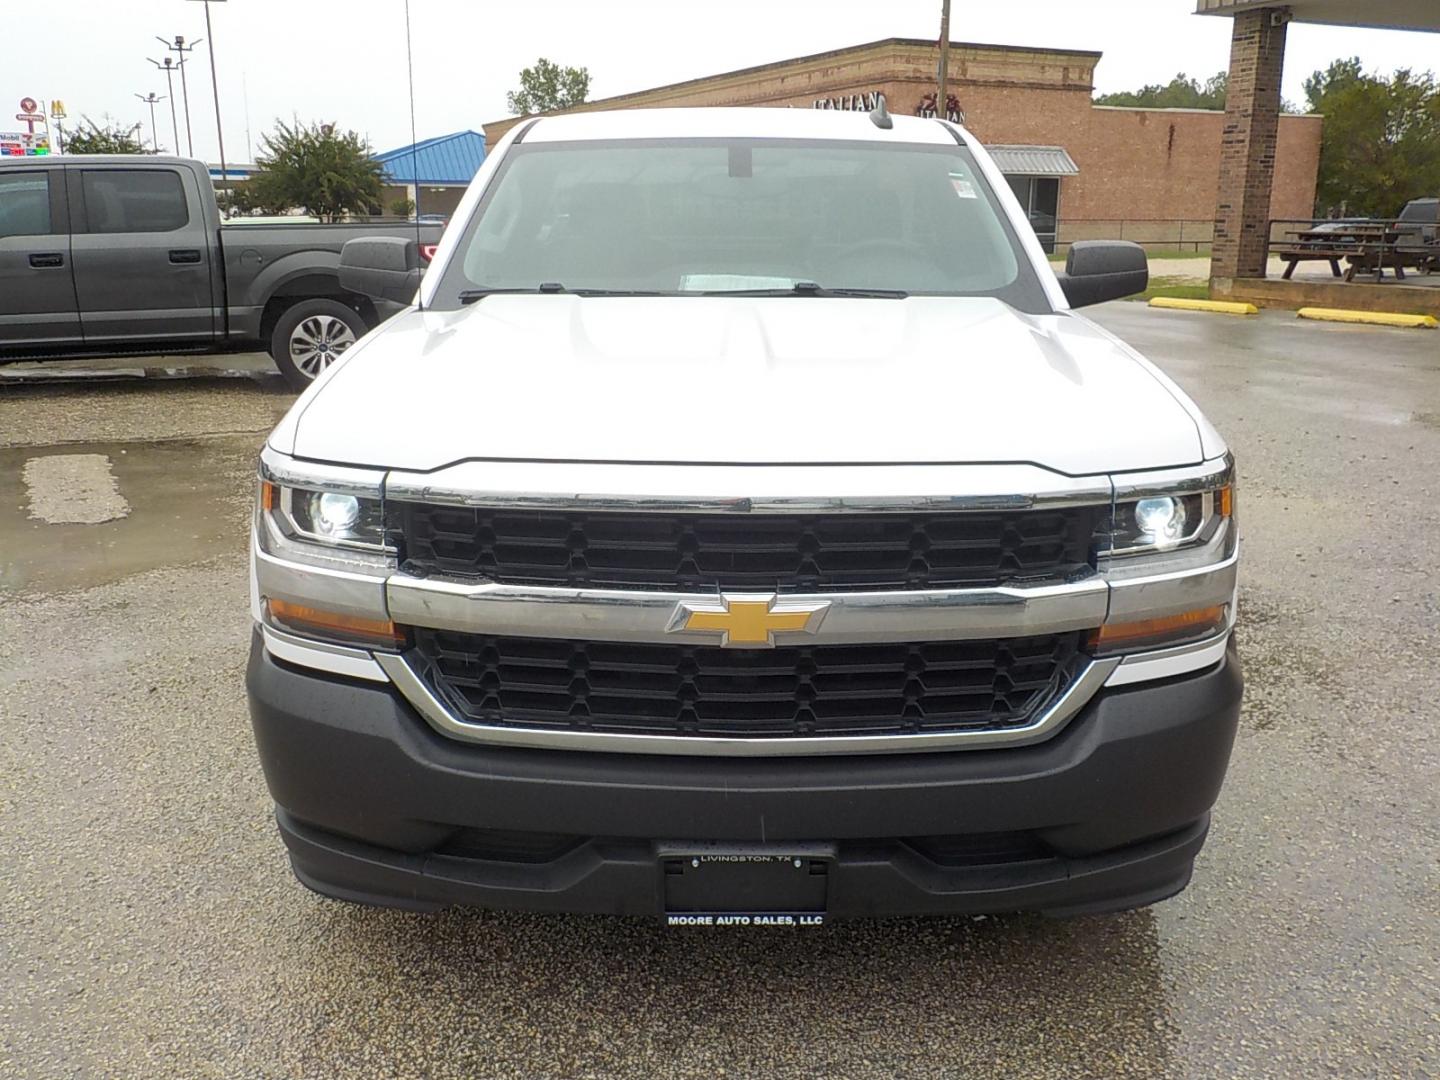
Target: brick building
[[1151, 173]]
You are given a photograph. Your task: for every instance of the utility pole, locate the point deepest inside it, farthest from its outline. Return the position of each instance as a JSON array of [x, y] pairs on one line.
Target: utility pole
[[245, 93], [942, 97], [179, 46], [215, 86], [169, 68], [151, 100]]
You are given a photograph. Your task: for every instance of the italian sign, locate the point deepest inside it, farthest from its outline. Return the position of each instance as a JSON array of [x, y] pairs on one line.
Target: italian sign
[[870, 101], [28, 143]]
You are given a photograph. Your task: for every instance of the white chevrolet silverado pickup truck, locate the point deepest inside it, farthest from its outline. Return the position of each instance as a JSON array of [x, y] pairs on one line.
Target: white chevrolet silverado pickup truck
[[741, 528]]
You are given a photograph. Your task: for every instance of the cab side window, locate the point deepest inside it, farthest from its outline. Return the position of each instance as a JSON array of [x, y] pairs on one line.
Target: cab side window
[[134, 200], [25, 203]]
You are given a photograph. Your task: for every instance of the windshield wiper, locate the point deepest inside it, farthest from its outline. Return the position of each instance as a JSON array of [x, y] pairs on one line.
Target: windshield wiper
[[810, 288], [621, 292], [550, 288], [469, 296]]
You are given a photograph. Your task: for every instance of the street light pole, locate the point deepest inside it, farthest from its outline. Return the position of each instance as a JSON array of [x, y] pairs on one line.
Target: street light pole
[[179, 46], [215, 86], [169, 69], [151, 100], [942, 97]]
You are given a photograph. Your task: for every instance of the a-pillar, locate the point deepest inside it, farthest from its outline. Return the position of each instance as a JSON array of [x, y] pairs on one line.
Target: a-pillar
[[1247, 148]]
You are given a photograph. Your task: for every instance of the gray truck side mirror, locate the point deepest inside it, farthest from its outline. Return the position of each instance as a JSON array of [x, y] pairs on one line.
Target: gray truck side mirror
[[1099, 270], [383, 267]]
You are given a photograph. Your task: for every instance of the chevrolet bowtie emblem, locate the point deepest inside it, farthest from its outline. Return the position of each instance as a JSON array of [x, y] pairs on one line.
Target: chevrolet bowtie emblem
[[748, 621]]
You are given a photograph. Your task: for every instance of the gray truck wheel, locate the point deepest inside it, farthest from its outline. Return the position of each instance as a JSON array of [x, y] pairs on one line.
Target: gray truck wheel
[[310, 335]]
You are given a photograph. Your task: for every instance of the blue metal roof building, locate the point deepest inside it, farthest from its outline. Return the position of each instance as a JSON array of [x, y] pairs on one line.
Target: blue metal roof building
[[433, 173], [443, 161]]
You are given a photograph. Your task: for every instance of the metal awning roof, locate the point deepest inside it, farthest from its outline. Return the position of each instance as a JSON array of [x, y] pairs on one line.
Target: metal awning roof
[[1389, 14], [1034, 160], [445, 159]]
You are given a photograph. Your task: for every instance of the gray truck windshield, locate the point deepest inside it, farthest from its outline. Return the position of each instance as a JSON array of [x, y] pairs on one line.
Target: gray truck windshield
[[740, 216]]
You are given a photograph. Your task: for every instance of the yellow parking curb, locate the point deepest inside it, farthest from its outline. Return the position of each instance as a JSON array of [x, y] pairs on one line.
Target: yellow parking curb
[[1376, 318], [1219, 307]]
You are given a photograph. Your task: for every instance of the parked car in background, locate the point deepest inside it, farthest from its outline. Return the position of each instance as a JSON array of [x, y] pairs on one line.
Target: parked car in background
[[1420, 233], [1424, 216], [127, 253]]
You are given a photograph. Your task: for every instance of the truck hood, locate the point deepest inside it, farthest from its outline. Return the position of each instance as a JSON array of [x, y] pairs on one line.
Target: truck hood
[[743, 380]]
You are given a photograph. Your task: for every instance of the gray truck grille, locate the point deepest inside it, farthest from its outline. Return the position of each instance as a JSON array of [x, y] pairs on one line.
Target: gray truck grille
[[770, 552], [681, 690]]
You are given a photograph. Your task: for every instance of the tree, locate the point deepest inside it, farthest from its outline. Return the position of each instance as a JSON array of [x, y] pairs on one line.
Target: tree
[[1381, 142], [326, 171], [547, 87], [107, 138], [1181, 92], [403, 207]]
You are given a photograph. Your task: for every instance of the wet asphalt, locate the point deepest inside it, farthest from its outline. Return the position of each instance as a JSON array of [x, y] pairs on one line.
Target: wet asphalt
[[149, 926]]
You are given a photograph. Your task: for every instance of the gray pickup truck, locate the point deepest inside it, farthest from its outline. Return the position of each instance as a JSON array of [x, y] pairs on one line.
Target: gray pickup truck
[[127, 253]]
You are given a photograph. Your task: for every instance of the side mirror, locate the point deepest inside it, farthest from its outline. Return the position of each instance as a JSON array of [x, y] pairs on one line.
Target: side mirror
[[382, 267], [1100, 270]]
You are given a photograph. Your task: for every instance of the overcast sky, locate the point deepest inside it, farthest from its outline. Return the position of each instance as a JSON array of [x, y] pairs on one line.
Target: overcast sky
[[344, 60]]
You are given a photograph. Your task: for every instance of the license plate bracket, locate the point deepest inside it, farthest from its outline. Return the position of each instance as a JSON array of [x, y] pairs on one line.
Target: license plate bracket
[[739, 885]]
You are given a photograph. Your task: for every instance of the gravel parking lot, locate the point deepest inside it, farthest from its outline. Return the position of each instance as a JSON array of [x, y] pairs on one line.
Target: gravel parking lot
[[151, 927]]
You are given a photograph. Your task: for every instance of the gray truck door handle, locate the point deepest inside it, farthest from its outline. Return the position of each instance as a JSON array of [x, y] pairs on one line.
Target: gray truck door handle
[[185, 255], [47, 259]]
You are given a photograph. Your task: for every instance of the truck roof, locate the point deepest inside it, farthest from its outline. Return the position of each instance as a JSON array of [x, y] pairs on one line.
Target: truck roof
[[41, 160], [733, 123]]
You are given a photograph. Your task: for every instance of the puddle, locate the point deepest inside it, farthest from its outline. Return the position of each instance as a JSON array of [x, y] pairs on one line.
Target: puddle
[[139, 368], [185, 500], [41, 375]]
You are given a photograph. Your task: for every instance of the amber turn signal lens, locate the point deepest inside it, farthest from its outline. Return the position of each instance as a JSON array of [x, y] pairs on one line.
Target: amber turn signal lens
[[1154, 633], [333, 626], [267, 496], [1225, 502]]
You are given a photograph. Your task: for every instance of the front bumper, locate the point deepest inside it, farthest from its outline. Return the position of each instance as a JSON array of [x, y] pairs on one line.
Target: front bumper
[[370, 800]]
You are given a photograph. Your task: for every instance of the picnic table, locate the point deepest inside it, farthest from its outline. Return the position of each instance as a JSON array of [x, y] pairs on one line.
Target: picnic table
[[1367, 245]]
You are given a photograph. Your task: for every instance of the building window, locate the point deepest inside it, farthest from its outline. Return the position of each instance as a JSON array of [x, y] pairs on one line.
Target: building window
[[1040, 199]]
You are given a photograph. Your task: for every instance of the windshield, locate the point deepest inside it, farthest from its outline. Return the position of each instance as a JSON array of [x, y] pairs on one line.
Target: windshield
[[761, 216]]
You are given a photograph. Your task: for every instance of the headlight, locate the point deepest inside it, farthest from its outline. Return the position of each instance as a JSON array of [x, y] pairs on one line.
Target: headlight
[[322, 555], [1165, 522], [1168, 552], [334, 517]]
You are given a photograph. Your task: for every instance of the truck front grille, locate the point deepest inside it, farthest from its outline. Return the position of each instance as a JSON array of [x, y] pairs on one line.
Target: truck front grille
[[771, 552], [688, 690]]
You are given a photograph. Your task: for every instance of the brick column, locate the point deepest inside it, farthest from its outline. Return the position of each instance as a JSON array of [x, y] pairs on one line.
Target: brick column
[[1247, 148]]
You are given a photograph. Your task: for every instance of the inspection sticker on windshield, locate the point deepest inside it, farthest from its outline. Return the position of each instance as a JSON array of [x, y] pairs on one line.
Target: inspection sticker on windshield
[[962, 185]]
